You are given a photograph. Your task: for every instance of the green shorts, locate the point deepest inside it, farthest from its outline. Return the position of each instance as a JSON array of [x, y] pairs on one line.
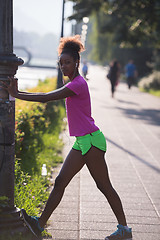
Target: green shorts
[[84, 143]]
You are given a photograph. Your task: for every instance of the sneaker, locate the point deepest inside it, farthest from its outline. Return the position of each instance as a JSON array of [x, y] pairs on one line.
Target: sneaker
[[121, 234], [32, 223]]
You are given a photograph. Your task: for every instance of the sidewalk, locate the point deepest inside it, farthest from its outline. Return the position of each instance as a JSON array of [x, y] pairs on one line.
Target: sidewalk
[[130, 123]]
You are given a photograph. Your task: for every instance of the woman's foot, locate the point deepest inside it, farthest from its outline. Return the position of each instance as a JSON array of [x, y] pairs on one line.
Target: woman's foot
[[122, 233], [32, 223]]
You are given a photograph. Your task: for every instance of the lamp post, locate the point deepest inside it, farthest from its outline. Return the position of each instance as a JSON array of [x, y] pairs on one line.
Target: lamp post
[[9, 215], [84, 29], [59, 78]]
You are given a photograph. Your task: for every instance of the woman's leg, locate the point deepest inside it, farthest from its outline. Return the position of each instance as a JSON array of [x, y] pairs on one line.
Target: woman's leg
[[112, 88], [72, 165], [97, 166]]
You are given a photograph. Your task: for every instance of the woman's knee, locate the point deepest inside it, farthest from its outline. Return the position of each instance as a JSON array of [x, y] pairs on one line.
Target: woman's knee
[[60, 183], [105, 188]]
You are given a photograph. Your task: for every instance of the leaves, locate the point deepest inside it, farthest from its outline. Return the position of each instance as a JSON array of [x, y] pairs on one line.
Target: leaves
[[131, 22]]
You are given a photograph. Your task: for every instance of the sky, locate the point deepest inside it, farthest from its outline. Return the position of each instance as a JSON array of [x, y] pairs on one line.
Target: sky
[[41, 16]]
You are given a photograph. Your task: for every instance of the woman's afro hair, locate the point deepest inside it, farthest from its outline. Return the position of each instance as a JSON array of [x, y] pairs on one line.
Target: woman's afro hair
[[72, 44]]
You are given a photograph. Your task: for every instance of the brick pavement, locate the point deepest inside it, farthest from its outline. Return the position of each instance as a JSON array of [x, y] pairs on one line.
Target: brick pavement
[[130, 123]]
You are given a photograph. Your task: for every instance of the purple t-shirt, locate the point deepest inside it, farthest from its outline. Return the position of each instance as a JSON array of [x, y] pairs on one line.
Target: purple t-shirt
[[78, 108]]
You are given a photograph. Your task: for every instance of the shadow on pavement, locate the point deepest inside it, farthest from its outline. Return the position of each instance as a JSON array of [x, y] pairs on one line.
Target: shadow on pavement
[[149, 115], [127, 102], [134, 155]]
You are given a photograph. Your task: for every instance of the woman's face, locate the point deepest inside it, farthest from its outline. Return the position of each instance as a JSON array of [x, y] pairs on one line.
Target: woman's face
[[67, 65]]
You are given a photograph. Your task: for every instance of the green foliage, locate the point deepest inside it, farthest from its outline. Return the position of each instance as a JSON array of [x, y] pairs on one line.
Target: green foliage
[[151, 91], [132, 22], [35, 121], [123, 25], [103, 44], [151, 83], [30, 192], [83, 8], [46, 235], [37, 129]]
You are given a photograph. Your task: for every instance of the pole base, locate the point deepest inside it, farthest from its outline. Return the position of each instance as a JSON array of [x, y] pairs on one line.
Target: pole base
[[12, 226]]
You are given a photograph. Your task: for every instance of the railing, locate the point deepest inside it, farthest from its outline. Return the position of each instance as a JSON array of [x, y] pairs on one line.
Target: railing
[[29, 58]]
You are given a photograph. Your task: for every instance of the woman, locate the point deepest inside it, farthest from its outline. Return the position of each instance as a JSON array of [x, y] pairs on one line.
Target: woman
[[113, 75], [90, 144]]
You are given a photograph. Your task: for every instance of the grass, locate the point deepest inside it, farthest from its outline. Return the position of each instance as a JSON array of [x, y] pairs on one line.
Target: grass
[[151, 83], [151, 91]]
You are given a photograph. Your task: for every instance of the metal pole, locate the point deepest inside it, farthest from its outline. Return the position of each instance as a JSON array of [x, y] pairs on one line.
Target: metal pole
[[9, 215], [59, 78]]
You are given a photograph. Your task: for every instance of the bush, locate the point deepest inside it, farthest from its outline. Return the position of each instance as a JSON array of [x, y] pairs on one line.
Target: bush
[[30, 192], [37, 129], [151, 82]]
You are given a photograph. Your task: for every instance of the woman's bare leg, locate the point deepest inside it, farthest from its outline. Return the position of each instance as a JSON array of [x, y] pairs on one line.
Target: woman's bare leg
[[72, 165], [97, 166]]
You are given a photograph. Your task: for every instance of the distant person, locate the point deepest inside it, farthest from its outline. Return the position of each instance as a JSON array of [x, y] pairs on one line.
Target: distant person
[[90, 144], [85, 70], [131, 73], [113, 75]]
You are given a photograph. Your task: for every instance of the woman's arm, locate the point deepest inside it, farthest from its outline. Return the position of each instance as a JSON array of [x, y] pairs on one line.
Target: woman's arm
[[57, 94]]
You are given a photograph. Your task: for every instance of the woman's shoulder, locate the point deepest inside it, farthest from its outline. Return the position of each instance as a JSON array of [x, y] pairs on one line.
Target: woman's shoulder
[[80, 80], [82, 84]]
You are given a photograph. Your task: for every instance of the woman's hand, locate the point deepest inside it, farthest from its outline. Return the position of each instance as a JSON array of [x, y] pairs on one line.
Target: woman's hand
[[12, 87]]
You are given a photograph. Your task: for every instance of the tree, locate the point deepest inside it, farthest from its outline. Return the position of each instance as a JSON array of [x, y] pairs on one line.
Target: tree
[[134, 22], [123, 29]]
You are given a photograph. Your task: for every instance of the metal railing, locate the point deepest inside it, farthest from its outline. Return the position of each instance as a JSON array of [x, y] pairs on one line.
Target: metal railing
[[29, 58]]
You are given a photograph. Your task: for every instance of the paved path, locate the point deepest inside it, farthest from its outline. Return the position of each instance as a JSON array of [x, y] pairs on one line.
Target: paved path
[[130, 123]]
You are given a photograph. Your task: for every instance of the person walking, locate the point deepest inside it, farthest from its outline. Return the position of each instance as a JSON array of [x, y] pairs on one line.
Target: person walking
[[85, 70], [131, 73], [90, 144], [113, 75]]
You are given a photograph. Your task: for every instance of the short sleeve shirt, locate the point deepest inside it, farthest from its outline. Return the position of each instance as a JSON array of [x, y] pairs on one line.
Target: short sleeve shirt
[[78, 108], [130, 70]]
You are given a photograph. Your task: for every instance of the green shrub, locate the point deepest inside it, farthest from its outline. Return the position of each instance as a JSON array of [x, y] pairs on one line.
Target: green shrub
[[37, 129], [150, 82], [30, 192], [35, 121]]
